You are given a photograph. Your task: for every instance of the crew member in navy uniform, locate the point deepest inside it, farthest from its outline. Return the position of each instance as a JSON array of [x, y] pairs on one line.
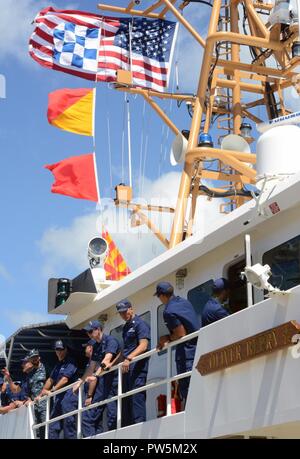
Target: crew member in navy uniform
[[63, 374], [106, 351], [181, 320], [214, 309], [18, 391], [136, 337], [88, 350]]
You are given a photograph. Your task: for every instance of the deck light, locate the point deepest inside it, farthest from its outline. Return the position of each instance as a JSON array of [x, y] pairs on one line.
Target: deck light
[[258, 276], [97, 253], [63, 291], [180, 276], [205, 140]]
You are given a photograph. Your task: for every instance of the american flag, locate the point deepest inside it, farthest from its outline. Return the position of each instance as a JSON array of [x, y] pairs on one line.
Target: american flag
[[94, 47]]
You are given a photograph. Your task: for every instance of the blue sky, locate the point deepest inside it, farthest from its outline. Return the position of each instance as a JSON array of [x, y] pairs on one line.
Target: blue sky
[[43, 234]]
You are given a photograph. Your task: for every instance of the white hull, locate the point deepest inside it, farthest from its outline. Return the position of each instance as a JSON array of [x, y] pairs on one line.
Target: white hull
[[255, 398]]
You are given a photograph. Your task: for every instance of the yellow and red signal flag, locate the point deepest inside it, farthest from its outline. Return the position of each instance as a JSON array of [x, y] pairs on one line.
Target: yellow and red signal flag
[[115, 265], [73, 110]]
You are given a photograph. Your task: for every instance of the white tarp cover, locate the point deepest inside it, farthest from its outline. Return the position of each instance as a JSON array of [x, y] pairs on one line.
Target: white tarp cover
[[15, 424]]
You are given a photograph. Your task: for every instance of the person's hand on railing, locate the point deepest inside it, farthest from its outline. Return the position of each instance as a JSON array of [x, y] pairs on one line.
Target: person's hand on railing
[[18, 403], [88, 401], [28, 402], [45, 392], [109, 365], [125, 366], [77, 386], [90, 379], [163, 340]]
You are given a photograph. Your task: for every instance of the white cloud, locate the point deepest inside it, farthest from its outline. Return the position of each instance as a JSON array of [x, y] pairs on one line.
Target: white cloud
[[16, 26], [65, 248], [20, 318], [4, 273]]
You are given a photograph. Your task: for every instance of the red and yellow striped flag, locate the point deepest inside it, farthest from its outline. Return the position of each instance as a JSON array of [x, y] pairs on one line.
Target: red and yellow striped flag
[[115, 265]]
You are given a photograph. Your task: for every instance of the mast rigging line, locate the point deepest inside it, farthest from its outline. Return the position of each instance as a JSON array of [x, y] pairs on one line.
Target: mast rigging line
[[225, 194], [129, 142], [141, 147], [123, 142], [145, 158], [109, 151]]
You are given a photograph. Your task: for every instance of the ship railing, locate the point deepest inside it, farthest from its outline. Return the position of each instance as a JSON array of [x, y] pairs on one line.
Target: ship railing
[[168, 380]]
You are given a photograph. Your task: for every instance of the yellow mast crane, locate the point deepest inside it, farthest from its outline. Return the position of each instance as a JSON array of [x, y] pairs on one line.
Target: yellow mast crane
[[217, 74]]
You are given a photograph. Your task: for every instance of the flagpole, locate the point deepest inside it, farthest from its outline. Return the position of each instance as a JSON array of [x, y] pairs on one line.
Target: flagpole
[[98, 207], [129, 142], [94, 117], [128, 108]]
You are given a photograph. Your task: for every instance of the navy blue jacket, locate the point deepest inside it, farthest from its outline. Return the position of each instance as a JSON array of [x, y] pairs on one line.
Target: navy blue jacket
[[213, 311], [107, 345], [180, 311], [133, 331], [66, 368]]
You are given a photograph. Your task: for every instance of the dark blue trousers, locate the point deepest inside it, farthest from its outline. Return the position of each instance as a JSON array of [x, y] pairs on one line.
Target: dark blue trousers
[[134, 407], [64, 403], [92, 420], [182, 367]]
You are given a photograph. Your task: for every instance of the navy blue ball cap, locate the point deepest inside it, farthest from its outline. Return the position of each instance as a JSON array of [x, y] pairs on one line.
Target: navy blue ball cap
[[91, 342], [221, 284], [59, 345], [164, 288], [93, 325], [123, 305]]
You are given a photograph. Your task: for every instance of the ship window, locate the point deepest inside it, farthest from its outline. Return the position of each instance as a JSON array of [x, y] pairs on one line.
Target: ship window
[[200, 295], [162, 329], [117, 332], [284, 261], [238, 291]]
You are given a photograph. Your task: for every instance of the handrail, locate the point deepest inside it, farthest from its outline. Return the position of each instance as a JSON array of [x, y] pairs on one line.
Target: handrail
[[119, 397]]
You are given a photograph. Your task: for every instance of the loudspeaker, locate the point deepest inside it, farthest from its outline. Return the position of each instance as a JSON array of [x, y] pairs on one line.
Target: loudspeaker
[[178, 150], [235, 142]]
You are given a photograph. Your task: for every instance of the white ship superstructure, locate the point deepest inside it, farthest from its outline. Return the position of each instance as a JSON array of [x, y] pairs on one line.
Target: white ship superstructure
[[246, 368]]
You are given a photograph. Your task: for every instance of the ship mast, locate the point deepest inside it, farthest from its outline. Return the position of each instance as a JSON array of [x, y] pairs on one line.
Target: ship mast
[[222, 72]]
